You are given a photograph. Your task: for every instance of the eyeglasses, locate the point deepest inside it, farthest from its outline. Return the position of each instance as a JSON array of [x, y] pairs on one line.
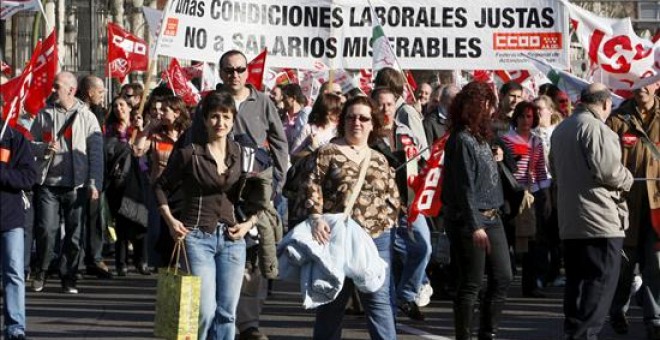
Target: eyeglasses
[[362, 119], [231, 70]]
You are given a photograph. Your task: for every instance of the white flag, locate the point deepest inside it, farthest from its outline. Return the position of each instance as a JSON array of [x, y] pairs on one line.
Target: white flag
[[11, 7], [154, 19], [383, 55], [565, 81], [623, 60], [210, 77]]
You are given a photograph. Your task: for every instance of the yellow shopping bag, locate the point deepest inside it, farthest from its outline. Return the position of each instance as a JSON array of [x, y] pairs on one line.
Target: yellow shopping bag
[[177, 300]]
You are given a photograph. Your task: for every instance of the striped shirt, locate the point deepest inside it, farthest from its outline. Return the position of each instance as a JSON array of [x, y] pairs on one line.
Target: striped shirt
[[530, 160]]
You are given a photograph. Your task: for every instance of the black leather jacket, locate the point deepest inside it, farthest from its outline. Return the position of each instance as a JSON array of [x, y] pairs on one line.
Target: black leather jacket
[[471, 183]]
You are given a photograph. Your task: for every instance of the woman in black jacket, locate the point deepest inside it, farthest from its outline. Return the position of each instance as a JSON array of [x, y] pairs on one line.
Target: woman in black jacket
[[126, 186], [472, 197]]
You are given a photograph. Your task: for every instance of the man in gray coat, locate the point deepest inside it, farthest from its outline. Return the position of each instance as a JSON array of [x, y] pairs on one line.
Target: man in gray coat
[[68, 147], [586, 163]]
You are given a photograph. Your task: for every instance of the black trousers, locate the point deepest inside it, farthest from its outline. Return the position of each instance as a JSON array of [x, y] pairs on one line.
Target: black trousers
[[472, 263], [93, 227], [592, 270]]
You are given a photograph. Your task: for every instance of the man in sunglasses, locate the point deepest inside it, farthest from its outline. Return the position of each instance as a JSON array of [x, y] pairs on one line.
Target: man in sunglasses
[[258, 124]]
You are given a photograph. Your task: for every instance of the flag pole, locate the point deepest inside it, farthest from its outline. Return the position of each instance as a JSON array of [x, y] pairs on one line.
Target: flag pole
[[154, 60], [396, 60], [43, 13], [5, 124]]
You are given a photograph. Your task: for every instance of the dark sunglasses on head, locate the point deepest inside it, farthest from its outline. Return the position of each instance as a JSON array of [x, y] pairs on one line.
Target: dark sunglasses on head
[[362, 119], [231, 70]]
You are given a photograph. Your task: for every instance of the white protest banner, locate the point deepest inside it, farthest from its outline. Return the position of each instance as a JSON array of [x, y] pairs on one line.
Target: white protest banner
[[154, 19], [425, 34]]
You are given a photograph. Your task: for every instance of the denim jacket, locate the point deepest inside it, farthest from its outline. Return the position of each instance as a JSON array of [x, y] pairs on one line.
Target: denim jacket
[[471, 181], [321, 269]]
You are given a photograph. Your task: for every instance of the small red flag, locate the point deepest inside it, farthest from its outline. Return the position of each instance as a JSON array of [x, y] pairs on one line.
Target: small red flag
[[126, 52], [16, 91], [44, 73], [181, 85], [256, 69], [5, 68], [428, 184]]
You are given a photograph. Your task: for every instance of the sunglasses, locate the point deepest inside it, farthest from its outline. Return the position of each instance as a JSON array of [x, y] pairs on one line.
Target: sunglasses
[[231, 70], [362, 119]]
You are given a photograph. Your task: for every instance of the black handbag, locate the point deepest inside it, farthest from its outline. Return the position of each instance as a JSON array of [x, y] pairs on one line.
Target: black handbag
[[507, 178]]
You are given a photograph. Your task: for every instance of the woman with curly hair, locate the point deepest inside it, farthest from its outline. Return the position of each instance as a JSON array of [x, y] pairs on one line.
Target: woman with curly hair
[[472, 196]]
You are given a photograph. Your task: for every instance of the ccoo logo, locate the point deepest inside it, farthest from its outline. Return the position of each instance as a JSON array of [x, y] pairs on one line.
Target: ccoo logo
[[119, 65]]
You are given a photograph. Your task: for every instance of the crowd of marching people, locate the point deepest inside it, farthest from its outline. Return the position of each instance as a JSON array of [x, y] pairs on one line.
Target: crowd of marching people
[[560, 193]]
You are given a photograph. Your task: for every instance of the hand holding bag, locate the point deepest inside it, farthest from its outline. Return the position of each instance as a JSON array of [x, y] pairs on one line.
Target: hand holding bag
[[177, 300], [525, 221]]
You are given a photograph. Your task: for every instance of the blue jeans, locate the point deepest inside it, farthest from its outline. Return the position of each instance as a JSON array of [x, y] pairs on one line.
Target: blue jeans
[[13, 280], [414, 254], [50, 202], [377, 306], [220, 264]]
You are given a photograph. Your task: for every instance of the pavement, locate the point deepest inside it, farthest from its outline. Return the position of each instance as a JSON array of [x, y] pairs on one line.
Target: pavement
[[123, 308]]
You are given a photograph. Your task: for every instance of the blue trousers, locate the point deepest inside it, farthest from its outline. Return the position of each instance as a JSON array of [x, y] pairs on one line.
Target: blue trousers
[[220, 262], [377, 306], [13, 281]]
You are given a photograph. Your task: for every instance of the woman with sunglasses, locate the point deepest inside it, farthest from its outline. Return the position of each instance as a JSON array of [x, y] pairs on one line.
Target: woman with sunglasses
[[376, 209], [471, 197]]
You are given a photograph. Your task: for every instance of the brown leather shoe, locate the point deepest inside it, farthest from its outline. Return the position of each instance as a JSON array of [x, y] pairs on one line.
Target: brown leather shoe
[[100, 270]]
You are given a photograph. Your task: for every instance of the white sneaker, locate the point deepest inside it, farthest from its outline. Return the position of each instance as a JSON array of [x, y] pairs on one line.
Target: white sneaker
[[559, 282], [423, 297], [636, 285]]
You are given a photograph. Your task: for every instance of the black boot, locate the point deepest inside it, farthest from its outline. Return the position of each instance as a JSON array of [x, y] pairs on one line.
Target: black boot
[[462, 321], [490, 318]]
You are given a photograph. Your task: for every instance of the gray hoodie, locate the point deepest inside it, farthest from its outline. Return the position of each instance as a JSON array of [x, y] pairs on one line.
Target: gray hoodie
[[85, 155]]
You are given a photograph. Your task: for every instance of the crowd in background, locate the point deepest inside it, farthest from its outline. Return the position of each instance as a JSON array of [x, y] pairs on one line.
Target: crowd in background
[[243, 160]]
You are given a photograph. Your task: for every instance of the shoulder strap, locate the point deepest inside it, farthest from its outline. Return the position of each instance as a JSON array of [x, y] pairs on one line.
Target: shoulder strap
[[364, 165], [66, 125]]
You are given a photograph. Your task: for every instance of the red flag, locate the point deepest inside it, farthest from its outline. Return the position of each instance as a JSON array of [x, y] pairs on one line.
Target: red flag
[[517, 76], [292, 74], [44, 71], [5, 68], [428, 184], [410, 88], [181, 86], [411, 80], [482, 76], [193, 71], [126, 52], [366, 85], [16, 91], [256, 69]]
